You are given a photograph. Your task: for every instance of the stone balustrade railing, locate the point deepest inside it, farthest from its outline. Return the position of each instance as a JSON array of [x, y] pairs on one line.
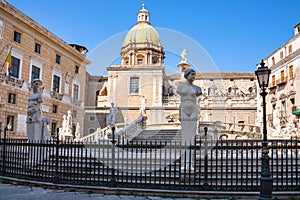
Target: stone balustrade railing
[[99, 134], [132, 130], [11, 80]]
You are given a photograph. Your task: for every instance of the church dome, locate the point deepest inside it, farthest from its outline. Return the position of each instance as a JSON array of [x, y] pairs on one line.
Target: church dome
[[142, 45], [142, 32]]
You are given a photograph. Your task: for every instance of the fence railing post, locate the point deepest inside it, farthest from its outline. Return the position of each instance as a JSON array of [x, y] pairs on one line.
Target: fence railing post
[[205, 184], [113, 179], [4, 152], [56, 176]]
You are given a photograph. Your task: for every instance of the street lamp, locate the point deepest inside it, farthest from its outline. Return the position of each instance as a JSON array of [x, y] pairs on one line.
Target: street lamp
[[266, 181]]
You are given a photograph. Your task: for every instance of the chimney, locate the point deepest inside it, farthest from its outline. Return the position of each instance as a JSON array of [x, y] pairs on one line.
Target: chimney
[[297, 29]]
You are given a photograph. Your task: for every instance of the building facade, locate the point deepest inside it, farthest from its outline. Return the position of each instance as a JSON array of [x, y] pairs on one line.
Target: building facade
[[38, 53], [283, 100]]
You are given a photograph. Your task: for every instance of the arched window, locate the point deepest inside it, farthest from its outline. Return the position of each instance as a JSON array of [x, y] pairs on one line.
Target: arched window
[[229, 90], [208, 91], [250, 89]]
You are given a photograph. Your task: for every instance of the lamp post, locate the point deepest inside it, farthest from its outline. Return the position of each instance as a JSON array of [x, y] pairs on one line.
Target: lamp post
[[266, 181]]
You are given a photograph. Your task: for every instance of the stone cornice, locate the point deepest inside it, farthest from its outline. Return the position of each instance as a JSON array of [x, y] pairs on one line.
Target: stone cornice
[[135, 67]]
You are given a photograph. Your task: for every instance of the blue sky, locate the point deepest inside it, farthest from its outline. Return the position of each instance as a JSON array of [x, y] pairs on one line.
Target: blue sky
[[235, 33]]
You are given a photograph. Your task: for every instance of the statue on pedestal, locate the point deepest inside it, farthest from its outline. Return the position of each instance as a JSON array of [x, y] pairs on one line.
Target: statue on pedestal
[[34, 113], [189, 112], [111, 118], [77, 132], [65, 132], [143, 106]]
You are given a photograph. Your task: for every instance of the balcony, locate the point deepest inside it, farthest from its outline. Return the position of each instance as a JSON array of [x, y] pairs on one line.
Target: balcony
[[2, 77], [56, 95], [77, 102], [14, 81], [272, 85], [281, 81]]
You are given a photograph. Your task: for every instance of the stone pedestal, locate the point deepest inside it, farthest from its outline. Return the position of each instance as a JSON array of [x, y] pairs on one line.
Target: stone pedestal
[[189, 130], [34, 131]]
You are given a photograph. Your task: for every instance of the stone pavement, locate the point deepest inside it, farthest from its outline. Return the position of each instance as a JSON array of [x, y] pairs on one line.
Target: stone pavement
[[15, 192]]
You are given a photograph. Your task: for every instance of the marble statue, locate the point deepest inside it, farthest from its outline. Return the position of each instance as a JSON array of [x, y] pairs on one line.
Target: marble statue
[[189, 111], [34, 113], [69, 119], [189, 93], [143, 106], [77, 132], [65, 133], [184, 55], [111, 118]]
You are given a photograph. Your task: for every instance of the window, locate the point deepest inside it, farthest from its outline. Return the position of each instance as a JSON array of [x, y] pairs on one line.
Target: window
[[273, 80], [273, 61], [74, 114], [282, 75], [154, 60], [56, 83], [290, 49], [76, 69], [10, 122], [37, 48], [17, 37], [57, 59], [92, 118], [229, 90], [134, 85], [283, 108], [292, 101], [1, 29], [281, 54], [54, 108], [14, 71], [140, 61], [75, 92], [91, 130], [250, 89], [53, 128], [291, 72], [35, 72], [12, 98], [235, 91]]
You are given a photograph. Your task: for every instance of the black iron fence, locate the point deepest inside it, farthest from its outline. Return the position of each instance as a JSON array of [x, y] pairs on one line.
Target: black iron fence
[[224, 165]]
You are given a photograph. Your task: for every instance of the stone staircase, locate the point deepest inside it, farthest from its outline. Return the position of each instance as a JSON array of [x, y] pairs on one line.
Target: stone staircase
[[157, 136]]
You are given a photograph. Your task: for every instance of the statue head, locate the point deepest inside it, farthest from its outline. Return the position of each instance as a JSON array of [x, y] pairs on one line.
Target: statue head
[[36, 85], [188, 71]]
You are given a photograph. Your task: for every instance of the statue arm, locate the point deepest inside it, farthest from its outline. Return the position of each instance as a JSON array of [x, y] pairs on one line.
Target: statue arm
[[198, 91]]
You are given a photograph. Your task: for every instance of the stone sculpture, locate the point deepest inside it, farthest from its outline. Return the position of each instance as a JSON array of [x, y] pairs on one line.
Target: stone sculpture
[[34, 113], [111, 118], [65, 132], [143, 106], [189, 111], [77, 132]]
